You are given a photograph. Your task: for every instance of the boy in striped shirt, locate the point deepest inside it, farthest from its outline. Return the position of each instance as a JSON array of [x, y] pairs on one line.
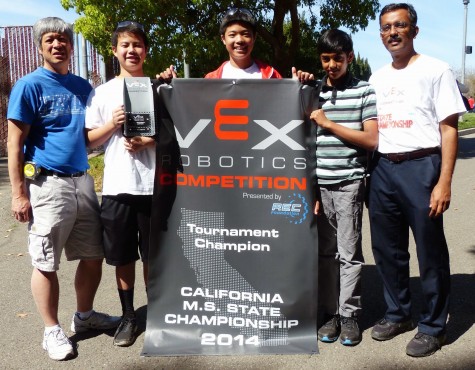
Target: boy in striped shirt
[[347, 130]]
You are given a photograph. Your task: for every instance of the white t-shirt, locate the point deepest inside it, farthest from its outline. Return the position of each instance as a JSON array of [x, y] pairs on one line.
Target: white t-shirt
[[412, 101], [124, 172], [232, 72]]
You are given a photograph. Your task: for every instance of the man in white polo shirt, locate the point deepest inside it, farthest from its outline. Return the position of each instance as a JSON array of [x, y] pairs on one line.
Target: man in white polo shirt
[[418, 105]]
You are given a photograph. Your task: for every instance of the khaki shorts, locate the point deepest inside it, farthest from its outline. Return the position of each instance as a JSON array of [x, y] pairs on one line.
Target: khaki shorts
[[66, 215]]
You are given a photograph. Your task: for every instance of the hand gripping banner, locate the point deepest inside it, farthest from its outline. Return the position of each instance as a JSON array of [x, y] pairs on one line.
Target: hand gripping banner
[[233, 259]]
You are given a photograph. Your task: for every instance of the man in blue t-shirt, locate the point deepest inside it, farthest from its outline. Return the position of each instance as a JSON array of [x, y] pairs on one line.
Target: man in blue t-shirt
[[47, 164]]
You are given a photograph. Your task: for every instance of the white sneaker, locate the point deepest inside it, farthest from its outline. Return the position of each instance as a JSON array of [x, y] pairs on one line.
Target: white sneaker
[[58, 345], [97, 321]]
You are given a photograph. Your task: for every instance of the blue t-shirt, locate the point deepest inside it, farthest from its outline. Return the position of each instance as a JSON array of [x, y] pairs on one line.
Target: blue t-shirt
[[54, 105]]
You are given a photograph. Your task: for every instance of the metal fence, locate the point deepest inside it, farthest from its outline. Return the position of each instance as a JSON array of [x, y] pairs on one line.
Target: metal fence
[[19, 56]]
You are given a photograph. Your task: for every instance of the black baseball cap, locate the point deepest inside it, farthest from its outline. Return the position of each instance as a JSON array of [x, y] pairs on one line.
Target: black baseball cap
[[237, 15]]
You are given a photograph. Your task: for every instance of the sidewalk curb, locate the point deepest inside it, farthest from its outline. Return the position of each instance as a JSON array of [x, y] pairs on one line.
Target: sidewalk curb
[[467, 131]]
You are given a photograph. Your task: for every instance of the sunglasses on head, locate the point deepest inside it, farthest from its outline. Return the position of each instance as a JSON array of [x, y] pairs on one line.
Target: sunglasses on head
[[233, 11], [124, 24], [240, 11]]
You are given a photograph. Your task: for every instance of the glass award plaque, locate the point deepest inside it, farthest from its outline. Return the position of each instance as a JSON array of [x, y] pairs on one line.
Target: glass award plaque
[[139, 107]]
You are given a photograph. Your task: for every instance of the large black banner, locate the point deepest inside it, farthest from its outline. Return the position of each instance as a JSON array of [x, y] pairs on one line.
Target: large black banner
[[233, 258]]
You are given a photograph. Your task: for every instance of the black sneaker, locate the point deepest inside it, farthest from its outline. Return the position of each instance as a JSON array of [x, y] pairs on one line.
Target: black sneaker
[[350, 332], [385, 329], [125, 334], [330, 331], [424, 345]]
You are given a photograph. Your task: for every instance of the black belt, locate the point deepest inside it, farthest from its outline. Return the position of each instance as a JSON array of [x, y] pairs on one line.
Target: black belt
[[45, 172], [407, 156]]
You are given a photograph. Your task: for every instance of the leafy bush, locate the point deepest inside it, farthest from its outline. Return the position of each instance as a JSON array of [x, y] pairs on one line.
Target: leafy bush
[[96, 170], [467, 122]]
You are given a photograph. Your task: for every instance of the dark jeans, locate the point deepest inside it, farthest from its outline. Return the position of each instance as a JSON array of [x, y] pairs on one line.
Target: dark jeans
[[399, 200]]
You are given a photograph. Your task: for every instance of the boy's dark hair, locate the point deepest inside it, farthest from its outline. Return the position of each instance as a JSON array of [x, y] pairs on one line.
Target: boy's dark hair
[[335, 41], [132, 27], [396, 6], [237, 15]]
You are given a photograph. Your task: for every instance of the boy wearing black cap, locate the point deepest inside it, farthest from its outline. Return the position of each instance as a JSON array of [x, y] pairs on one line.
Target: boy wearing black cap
[[238, 33]]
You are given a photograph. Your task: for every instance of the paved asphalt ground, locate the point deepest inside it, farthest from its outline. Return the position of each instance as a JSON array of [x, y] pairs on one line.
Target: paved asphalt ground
[[21, 327]]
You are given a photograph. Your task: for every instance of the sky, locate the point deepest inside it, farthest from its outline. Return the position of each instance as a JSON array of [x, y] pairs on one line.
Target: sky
[[440, 29]]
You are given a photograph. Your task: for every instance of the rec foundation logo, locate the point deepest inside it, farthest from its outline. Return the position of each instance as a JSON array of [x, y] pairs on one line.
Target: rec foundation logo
[[295, 209]]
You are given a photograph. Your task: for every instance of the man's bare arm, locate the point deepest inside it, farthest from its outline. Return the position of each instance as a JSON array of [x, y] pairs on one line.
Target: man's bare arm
[[441, 194], [17, 133]]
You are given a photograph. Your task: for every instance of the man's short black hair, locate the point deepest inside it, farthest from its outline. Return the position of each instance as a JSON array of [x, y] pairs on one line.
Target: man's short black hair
[[396, 6], [335, 41], [237, 15], [130, 27]]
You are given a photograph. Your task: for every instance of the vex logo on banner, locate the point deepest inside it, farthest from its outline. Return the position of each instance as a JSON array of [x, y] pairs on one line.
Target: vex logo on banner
[[222, 132]]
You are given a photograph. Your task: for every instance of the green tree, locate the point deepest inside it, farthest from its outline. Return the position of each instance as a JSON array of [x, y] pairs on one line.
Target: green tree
[[360, 68], [287, 29]]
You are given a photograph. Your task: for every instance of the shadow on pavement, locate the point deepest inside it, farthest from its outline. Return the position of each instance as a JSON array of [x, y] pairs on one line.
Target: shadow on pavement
[[78, 337], [462, 306], [466, 147], [141, 319], [141, 323]]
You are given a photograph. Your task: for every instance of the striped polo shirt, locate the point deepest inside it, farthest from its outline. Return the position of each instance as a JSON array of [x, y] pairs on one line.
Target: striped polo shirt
[[349, 105]]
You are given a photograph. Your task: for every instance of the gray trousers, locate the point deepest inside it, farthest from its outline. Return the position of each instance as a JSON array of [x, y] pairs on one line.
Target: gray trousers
[[340, 252]]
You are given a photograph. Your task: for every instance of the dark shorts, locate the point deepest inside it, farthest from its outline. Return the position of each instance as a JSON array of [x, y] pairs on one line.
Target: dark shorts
[[126, 221]]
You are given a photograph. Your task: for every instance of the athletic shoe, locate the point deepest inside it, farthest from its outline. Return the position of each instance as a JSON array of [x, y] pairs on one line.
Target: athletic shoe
[[97, 321], [58, 345], [424, 345], [126, 333], [385, 329], [330, 331], [350, 332]]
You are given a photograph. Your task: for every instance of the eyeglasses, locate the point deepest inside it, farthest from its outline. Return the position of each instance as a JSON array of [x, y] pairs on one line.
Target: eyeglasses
[[124, 24], [399, 26], [245, 13]]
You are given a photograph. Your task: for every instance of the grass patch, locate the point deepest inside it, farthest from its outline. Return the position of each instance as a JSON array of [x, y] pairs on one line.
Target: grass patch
[[468, 121], [96, 170]]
